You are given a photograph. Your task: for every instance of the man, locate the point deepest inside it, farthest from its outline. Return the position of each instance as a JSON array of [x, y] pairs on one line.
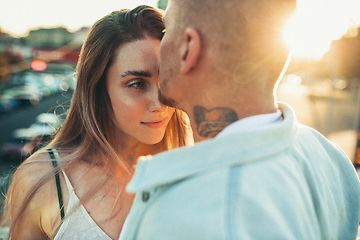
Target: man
[[254, 172]]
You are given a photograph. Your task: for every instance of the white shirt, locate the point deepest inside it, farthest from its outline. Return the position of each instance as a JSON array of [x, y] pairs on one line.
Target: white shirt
[[252, 123]]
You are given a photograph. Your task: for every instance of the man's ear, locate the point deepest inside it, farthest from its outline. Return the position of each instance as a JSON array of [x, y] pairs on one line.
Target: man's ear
[[190, 50]]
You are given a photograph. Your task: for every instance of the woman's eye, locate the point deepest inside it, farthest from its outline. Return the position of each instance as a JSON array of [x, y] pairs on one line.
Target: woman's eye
[[137, 84]]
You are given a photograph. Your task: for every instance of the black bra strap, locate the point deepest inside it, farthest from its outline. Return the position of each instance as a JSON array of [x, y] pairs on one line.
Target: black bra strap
[[57, 180]]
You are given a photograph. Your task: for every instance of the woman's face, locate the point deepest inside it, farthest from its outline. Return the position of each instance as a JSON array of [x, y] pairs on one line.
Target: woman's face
[[133, 83]]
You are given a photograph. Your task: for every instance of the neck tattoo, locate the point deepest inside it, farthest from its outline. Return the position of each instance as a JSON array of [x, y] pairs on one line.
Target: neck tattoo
[[211, 122]]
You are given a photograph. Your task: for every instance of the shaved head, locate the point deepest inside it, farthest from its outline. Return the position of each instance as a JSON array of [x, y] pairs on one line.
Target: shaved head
[[238, 31]]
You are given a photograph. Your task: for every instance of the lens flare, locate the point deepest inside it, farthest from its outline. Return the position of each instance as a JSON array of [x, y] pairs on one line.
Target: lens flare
[[317, 23]]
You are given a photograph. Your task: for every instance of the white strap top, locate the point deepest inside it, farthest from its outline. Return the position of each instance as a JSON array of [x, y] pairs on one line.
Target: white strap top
[[78, 225]]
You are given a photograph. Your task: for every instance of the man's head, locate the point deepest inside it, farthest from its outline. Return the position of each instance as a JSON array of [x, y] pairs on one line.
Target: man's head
[[221, 46]]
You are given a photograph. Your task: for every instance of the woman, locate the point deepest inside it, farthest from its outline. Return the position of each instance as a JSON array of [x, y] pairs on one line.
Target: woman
[[115, 117]]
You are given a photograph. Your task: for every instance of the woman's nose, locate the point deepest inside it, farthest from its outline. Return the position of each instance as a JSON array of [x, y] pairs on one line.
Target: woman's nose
[[155, 105]]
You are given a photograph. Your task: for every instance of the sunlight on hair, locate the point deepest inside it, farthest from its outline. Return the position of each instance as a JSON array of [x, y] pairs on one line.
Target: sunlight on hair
[[317, 23]]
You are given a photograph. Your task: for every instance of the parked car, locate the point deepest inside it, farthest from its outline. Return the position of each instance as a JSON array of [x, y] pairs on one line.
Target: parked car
[[15, 149], [47, 120], [27, 95], [7, 103], [27, 140]]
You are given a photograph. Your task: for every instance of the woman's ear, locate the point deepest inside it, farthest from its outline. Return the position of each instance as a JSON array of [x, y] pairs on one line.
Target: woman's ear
[[190, 50]]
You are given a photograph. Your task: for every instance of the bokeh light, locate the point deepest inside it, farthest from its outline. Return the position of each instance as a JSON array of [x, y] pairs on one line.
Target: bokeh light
[[38, 65]]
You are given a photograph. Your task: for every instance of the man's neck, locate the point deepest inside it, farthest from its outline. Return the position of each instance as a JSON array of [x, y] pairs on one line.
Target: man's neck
[[209, 120]]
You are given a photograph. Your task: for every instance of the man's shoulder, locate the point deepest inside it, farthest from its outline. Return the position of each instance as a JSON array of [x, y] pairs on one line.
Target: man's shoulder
[[313, 139]]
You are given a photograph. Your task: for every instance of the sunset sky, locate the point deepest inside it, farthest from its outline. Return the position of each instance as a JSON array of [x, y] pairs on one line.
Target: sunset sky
[[309, 33], [18, 16]]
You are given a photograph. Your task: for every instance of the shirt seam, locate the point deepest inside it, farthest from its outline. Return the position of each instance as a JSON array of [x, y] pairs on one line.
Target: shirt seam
[[231, 190]]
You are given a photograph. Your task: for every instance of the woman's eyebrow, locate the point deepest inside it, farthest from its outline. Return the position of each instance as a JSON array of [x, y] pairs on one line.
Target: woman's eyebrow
[[136, 73]]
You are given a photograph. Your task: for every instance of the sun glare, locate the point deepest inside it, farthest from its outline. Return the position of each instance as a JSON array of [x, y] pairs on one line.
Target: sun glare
[[317, 23]]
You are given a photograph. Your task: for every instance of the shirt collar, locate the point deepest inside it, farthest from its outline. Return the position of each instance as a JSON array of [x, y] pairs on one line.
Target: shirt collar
[[251, 123]]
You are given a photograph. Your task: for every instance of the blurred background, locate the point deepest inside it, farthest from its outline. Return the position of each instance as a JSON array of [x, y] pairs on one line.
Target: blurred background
[[40, 41]]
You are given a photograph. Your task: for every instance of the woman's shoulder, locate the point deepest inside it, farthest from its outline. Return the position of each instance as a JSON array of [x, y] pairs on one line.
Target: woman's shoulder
[[33, 181], [32, 169]]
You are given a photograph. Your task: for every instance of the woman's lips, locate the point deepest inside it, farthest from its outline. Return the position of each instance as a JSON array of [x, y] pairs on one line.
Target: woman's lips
[[155, 124]]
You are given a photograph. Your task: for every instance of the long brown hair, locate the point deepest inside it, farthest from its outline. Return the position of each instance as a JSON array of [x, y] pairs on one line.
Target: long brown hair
[[89, 125], [88, 129]]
